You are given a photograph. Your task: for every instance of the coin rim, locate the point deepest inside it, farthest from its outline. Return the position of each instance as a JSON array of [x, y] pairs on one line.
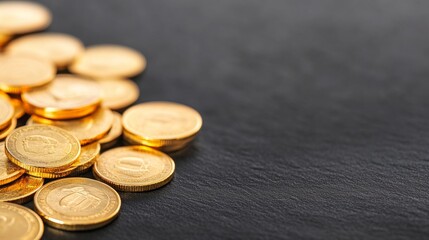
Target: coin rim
[[26, 197]]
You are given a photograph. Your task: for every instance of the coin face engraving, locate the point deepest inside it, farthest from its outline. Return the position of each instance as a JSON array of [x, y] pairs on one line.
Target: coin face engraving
[[18, 222], [77, 201], [132, 166], [162, 121]]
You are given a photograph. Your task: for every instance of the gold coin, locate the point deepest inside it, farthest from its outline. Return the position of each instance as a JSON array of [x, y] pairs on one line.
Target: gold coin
[[134, 168], [18, 17], [5, 132], [6, 112], [162, 146], [21, 73], [103, 61], [59, 48], [41, 148], [161, 124], [76, 204], [88, 129], [118, 93], [18, 108], [115, 132], [67, 97], [4, 38], [21, 190], [88, 156], [19, 222], [8, 171]]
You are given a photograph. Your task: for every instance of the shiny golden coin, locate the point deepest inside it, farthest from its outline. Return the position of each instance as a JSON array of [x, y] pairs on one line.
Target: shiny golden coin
[[103, 61], [21, 190], [88, 156], [115, 132], [118, 93], [76, 204], [134, 168], [5, 132], [18, 17], [42, 148], [67, 97], [59, 48], [8, 171], [19, 222], [88, 129], [161, 124], [6, 112], [21, 73], [18, 108]]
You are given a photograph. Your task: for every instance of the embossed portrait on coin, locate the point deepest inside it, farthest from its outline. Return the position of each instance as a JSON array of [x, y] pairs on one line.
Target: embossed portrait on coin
[[132, 166], [42, 145], [78, 199]]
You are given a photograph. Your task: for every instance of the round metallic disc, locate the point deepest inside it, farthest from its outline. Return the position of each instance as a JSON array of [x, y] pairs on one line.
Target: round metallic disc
[[76, 204], [19, 222], [109, 61], [162, 121], [17, 17], [6, 112], [134, 168], [42, 148], [18, 108], [88, 129], [21, 190], [118, 93], [9, 172], [67, 97], [59, 48], [21, 73], [114, 133]]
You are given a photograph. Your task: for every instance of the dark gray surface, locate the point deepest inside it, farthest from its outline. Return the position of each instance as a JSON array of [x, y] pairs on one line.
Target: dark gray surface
[[315, 115]]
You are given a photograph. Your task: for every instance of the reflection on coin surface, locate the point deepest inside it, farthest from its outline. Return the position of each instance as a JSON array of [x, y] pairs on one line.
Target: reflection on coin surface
[[8, 171], [88, 129], [59, 48], [77, 204], [114, 133], [18, 108], [18, 17], [4, 39], [102, 61], [18, 222], [5, 132], [134, 168], [21, 190], [68, 96], [6, 112], [42, 148], [118, 93], [161, 124], [21, 73]]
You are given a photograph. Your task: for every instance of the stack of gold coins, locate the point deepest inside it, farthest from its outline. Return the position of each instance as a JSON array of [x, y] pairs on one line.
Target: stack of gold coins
[[71, 119], [165, 126]]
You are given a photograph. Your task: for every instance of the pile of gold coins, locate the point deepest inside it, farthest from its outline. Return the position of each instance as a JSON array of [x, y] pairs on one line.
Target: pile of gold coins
[[68, 98]]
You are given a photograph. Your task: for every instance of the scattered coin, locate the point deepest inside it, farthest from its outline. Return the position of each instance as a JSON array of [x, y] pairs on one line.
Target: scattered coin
[[118, 93], [162, 125], [21, 73], [18, 108], [6, 131], [18, 222], [115, 132], [76, 204], [21, 190], [17, 17], [88, 129], [59, 48], [42, 148], [134, 168], [9, 172], [67, 97], [109, 61]]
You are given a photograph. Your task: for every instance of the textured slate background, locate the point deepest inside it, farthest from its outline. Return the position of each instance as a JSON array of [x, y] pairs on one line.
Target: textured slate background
[[315, 115]]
